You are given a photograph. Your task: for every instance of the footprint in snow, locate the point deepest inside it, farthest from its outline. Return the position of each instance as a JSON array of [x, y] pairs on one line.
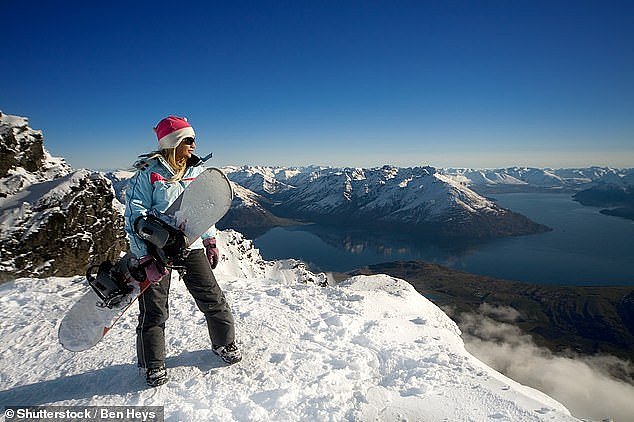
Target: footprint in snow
[[361, 340], [277, 357], [334, 320], [274, 292]]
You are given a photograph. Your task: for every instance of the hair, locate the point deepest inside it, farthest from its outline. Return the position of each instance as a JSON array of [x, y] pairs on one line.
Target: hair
[[169, 154], [179, 166]]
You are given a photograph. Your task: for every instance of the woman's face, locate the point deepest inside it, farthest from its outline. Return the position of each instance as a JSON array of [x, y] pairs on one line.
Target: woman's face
[[186, 148]]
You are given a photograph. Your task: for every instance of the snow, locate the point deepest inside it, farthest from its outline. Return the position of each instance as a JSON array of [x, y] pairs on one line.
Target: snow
[[13, 121], [45, 197], [64, 186], [418, 195], [369, 348]]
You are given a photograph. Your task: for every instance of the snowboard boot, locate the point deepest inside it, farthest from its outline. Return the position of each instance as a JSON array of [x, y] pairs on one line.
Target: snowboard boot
[[156, 376], [229, 353]]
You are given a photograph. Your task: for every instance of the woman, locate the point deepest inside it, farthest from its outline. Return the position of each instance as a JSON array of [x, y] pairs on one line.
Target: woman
[[159, 180]]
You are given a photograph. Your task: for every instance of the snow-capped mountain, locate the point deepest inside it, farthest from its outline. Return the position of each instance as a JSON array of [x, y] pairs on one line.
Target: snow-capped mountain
[[263, 180], [388, 198], [53, 220], [419, 198], [526, 178], [369, 348], [442, 201]]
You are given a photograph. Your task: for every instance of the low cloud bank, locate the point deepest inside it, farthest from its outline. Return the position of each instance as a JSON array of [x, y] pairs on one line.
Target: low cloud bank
[[584, 384]]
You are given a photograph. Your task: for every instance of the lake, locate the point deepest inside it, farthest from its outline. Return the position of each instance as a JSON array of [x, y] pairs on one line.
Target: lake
[[584, 248]]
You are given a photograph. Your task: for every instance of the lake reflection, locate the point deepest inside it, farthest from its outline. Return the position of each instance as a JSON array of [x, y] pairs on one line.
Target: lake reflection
[[585, 247]]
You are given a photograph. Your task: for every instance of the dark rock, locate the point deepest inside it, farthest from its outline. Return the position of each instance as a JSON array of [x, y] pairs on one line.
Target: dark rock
[[19, 148], [72, 226], [53, 222]]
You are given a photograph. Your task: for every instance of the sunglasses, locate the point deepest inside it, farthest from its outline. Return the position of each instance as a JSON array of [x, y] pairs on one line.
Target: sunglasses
[[188, 141]]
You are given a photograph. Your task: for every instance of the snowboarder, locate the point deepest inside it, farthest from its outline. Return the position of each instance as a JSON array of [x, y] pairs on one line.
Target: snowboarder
[[159, 180]]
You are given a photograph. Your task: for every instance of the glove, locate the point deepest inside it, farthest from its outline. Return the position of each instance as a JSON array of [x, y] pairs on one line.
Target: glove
[[153, 270], [213, 255]]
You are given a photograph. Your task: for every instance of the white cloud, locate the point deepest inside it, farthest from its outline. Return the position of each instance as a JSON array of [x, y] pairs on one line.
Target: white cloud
[[583, 384], [504, 313]]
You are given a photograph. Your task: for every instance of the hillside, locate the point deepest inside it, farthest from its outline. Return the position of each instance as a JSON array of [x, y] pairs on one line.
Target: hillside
[[369, 348]]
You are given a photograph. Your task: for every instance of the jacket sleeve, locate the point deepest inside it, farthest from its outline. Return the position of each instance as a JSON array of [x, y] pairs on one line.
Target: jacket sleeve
[[209, 233], [138, 202]]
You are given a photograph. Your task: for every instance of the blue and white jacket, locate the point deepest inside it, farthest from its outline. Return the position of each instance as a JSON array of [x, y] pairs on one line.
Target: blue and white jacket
[[150, 192]]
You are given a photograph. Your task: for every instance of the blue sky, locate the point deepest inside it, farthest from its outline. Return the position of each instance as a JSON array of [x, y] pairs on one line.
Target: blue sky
[[355, 83]]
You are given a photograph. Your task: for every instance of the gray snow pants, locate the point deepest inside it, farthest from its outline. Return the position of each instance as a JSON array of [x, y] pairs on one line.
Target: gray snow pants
[[154, 310]]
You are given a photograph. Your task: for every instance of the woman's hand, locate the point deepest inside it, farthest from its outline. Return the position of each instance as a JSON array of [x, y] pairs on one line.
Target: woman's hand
[[213, 254], [153, 270]]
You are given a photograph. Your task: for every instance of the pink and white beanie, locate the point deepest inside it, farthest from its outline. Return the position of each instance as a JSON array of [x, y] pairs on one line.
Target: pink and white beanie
[[172, 130]]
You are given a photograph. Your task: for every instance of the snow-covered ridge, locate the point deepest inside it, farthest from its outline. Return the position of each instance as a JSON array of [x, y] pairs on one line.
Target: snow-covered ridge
[[370, 348], [256, 177], [23, 158]]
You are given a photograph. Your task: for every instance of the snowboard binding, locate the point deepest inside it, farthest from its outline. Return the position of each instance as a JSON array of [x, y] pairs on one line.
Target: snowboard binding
[[112, 282], [165, 243]]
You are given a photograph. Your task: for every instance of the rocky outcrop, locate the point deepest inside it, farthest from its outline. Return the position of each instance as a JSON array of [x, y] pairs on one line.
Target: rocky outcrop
[[53, 220], [23, 158]]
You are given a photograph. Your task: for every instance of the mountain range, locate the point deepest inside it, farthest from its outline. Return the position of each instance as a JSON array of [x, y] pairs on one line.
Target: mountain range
[[419, 199], [42, 194], [530, 179], [444, 202]]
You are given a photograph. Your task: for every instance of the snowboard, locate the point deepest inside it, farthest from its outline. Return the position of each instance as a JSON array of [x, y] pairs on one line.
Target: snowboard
[[203, 203], [88, 321], [206, 199]]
